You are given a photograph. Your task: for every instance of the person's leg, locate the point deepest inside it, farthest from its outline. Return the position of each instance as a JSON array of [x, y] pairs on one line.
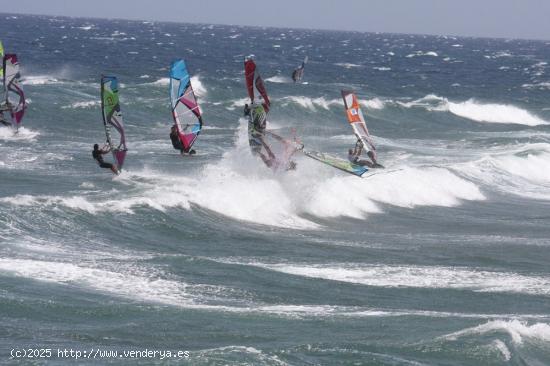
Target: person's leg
[[372, 158], [267, 149], [109, 166], [267, 161], [364, 163]]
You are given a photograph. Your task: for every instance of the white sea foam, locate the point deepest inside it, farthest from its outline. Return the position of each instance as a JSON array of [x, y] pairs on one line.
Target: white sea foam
[[541, 86], [477, 111], [522, 170], [161, 82], [130, 285], [198, 86], [434, 277], [238, 103], [421, 53], [375, 103], [84, 104], [312, 103], [348, 196], [24, 133], [516, 329], [279, 79], [40, 80], [503, 349], [495, 113], [347, 65]]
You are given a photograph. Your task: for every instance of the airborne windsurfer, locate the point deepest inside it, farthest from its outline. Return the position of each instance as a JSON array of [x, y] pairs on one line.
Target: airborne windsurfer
[[97, 154], [257, 120], [354, 156]]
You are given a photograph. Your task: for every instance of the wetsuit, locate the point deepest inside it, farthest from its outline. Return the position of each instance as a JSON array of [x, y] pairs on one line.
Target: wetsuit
[[256, 128], [176, 142], [354, 156], [97, 154], [295, 75]]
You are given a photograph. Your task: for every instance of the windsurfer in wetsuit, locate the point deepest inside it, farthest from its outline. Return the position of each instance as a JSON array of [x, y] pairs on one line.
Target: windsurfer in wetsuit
[[257, 121], [176, 142], [295, 75], [354, 156], [98, 156]]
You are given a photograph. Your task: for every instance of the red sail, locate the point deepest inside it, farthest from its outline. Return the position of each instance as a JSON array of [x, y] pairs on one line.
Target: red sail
[[253, 78]]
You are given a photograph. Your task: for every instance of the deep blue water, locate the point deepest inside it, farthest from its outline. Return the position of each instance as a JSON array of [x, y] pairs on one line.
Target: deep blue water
[[440, 260]]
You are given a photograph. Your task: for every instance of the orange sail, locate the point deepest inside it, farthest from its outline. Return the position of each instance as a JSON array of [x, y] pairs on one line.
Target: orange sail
[[357, 120]]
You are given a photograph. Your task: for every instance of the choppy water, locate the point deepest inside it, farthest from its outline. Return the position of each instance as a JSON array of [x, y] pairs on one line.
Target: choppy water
[[441, 262]]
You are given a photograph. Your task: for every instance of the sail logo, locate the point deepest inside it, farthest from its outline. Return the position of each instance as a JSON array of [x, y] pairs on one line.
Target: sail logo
[[353, 111]]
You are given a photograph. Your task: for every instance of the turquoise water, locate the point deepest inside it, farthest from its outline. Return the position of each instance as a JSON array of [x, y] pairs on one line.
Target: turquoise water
[[443, 260]]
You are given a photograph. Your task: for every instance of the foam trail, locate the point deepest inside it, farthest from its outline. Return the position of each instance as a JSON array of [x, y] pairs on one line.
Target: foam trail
[[418, 276], [127, 285], [85, 104], [516, 329], [8, 134], [40, 80], [279, 79]]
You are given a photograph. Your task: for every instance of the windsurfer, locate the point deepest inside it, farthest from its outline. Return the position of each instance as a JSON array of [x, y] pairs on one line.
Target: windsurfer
[[98, 156], [354, 156], [176, 142], [257, 120]]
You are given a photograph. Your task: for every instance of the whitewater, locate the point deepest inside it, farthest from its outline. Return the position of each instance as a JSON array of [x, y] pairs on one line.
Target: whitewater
[[440, 259]]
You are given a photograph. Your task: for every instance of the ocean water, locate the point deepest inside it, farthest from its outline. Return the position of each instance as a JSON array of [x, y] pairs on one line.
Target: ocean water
[[443, 259]]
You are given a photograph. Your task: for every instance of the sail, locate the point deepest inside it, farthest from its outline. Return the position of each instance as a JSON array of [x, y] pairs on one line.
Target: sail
[[185, 110], [298, 73], [112, 119], [1, 57], [357, 120], [14, 97], [254, 81]]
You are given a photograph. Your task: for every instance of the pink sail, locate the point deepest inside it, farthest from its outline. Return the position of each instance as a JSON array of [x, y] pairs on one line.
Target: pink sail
[[14, 95]]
